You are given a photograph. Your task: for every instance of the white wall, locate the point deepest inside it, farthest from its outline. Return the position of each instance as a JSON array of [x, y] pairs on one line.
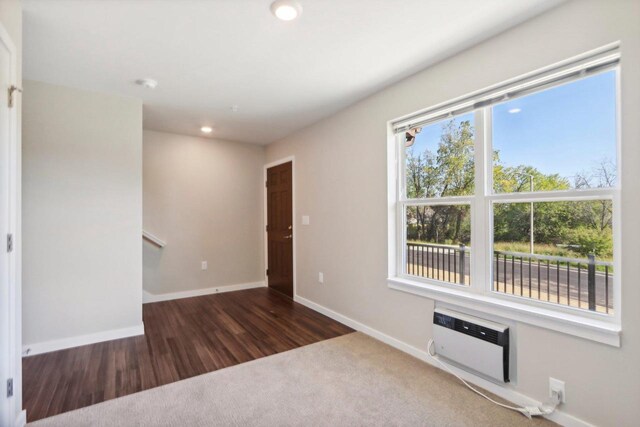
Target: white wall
[[341, 183], [82, 213], [203, 197]]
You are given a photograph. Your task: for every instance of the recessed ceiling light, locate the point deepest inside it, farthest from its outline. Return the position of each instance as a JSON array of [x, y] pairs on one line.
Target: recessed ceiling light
[[514, 111], [206, 129], [286, 10], [148, 83]]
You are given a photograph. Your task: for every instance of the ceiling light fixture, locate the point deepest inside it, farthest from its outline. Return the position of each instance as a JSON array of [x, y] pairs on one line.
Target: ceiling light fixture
[[206, 129], [148, 83], [286, 10]]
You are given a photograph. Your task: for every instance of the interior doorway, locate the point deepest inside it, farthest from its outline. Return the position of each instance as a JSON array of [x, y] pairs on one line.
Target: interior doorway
[[10, 305], [279, 227]]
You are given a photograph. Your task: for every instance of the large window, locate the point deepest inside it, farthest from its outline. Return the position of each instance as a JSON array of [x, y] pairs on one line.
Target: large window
[[513, 194]]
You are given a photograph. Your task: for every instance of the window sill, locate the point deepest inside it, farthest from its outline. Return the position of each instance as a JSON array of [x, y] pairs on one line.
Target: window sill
[[602, 331]]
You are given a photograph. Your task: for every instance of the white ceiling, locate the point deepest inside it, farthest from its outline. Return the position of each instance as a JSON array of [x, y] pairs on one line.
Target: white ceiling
[[211, 54]]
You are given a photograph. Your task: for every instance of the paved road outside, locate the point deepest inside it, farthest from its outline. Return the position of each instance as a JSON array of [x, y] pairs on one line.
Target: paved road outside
[[564, 285]]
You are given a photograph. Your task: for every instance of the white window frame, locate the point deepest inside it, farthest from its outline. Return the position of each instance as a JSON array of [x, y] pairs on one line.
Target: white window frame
[[479, 295]]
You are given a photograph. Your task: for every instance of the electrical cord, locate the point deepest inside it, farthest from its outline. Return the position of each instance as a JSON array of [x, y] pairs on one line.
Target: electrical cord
[[527, 411]]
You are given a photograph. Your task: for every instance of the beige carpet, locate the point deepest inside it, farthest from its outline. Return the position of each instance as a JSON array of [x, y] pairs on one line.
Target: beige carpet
[[352, 380]]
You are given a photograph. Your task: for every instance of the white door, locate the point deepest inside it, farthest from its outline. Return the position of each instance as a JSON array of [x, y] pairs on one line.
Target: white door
[[9, 170]]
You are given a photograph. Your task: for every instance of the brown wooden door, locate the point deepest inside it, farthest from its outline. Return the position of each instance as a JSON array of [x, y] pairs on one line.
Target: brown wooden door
[[280, 229]]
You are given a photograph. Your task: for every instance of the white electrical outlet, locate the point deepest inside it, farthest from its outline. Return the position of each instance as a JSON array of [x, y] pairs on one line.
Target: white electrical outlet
[[558, 387], [204, 265], [321, 277], [305, 219]]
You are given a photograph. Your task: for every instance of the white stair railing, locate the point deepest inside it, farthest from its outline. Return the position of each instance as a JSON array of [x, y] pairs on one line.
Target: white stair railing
[[153, 239]]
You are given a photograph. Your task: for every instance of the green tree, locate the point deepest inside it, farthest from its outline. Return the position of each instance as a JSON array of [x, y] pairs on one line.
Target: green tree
[[449, 171]]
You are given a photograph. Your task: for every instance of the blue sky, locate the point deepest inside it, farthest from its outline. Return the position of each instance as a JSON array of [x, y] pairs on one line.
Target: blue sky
[[566, 130]]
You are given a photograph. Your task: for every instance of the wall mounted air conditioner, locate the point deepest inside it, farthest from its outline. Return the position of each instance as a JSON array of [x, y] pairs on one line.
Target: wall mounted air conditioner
[[471, 342]]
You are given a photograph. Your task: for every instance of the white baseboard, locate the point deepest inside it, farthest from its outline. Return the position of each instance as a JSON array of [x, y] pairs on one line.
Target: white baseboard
[[21, 419], [61, 344], [505, 393], [148, 297]]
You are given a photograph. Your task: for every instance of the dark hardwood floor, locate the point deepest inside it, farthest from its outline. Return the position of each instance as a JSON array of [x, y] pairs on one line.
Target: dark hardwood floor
[[183, 338]]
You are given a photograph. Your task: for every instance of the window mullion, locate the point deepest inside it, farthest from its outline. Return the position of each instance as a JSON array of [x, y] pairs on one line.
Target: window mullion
[[435, 201], [478, 217], [487, 191], [552, 196]]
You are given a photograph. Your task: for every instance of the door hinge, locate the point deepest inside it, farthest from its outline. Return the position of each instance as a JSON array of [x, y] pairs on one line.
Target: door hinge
[[266, 227], [266, 183], [267, 271], [10, 387], [9, 242], [12, 90]]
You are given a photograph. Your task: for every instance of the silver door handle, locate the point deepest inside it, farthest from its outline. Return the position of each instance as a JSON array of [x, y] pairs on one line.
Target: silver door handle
[[290, 236]]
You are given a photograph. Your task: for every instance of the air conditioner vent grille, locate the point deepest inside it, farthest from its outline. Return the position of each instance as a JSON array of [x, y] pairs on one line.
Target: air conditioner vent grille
[[477, 331]]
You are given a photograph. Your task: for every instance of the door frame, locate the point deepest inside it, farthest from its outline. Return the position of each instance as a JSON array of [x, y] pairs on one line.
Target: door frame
[[288, 159], [11, 411]]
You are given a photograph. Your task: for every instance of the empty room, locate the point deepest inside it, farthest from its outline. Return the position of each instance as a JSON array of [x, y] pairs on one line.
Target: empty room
[[319, 212]]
